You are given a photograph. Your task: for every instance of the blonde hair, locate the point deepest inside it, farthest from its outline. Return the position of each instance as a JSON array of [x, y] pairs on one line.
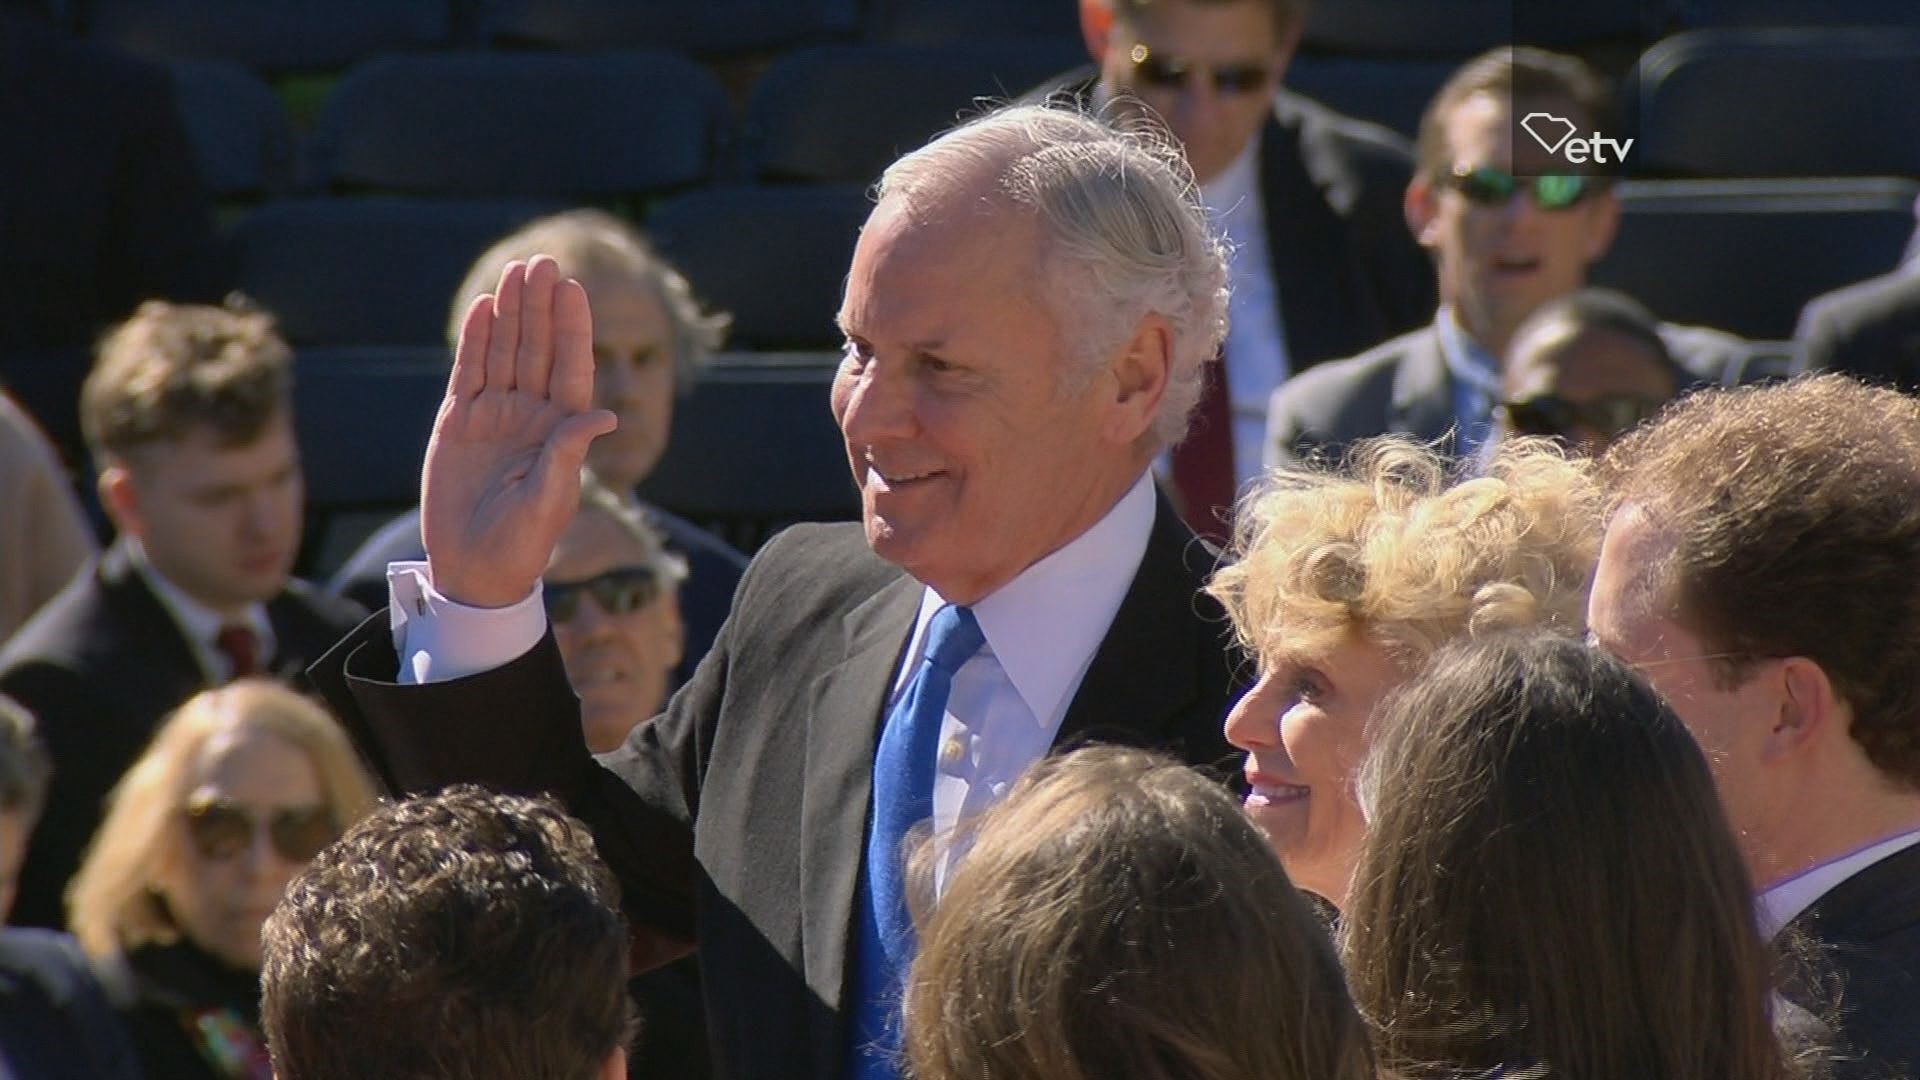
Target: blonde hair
[[1117, 915], [1392, 546], [111, 904]]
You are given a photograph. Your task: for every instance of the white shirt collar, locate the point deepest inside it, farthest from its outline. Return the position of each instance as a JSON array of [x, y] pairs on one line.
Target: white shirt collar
[[1788, 899], [1045, 624], [200, 623]]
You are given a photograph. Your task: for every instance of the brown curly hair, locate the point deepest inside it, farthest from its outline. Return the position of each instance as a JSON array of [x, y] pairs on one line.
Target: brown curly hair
[[1795, 512]]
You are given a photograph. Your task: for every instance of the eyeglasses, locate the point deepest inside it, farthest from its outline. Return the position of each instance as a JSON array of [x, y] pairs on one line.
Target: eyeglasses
[[1171, 73], [1549, 414], [618, 592], [221, 830], [1488, 186]]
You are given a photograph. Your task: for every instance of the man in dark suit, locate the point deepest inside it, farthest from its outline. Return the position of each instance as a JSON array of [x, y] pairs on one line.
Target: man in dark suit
[[189, 414], [1870, 329], [1510, 227], [1321, 261], [1015, 584], [1777, 608]]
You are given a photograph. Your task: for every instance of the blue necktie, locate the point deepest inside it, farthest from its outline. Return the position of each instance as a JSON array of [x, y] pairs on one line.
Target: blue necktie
[[902, 799]]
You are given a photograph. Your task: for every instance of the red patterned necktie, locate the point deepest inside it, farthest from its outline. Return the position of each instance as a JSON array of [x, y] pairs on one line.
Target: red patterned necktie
[[241, 646], [1203, 461]]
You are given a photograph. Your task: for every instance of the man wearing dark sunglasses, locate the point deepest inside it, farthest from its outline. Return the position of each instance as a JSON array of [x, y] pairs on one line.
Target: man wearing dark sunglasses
[[1309, 201], [1510, 228]]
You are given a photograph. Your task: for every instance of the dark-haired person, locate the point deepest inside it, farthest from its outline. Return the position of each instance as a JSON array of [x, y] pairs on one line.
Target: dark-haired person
[[1116, 918], [188, 412], [1510, 227], [1586, 369], [1549, 887], [463, 934], [1346, 578], [1308, 200], [55, 1022], [1761, 568]]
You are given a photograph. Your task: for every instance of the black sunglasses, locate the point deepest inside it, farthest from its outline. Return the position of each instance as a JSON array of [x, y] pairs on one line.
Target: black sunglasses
[[221, 830], [1168, 73], [1549, 414], [1488, 186], [618, 591]]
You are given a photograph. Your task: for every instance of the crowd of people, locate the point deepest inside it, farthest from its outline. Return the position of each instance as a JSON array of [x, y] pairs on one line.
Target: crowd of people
[[1295, 629]]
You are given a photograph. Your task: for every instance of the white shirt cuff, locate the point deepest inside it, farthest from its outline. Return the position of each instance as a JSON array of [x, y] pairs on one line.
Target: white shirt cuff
[[440, 640]]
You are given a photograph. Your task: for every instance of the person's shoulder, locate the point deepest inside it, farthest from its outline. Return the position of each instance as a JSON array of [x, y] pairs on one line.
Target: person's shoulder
[[48, 958], [814, 567], [1363, 139], [304, 599], [73, 623], [1890, 299], [1349, 376], [1072, 88], [691, 540]]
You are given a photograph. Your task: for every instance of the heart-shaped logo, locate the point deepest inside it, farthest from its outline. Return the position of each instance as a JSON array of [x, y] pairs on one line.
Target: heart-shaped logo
[[1543, 126]]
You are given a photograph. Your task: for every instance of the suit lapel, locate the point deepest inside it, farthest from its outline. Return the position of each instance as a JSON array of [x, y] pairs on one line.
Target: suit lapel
[[155, 640], [1422, 392], [1146, 674], [1303, 248], [843, 728]]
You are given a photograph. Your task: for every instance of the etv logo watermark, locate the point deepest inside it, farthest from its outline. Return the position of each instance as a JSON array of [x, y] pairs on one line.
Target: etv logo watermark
[[1555, 134]]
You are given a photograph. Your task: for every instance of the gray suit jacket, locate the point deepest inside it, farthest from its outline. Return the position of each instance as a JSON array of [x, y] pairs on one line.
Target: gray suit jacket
[[1403, 388]]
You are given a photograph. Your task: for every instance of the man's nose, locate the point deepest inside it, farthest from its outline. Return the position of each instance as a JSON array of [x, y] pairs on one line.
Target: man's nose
[[879, 406]]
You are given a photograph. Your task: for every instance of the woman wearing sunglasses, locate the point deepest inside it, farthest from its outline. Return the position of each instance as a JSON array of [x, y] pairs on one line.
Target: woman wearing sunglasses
[[240, 788]]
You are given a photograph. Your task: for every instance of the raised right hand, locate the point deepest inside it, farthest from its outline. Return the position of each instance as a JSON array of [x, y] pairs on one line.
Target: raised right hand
[[502, 475]]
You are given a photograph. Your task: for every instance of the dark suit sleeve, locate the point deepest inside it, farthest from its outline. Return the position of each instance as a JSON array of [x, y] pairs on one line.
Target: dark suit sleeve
[[68, 709], [517, 728], [1398, 268]]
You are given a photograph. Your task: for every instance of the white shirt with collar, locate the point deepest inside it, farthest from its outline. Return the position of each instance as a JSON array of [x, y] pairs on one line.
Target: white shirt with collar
[[1042, 629], [201, 624], [1786, 900], [1007, 702], [1256, 345]]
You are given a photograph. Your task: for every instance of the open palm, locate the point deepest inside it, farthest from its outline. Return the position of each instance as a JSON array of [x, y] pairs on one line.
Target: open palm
[[502, 475]]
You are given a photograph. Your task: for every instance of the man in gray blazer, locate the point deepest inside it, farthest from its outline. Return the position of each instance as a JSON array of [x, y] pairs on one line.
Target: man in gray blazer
[[1029, 317], [1510, 226]]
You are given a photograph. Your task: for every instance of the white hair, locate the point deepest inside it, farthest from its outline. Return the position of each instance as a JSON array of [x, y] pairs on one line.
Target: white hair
[[1124, 233]]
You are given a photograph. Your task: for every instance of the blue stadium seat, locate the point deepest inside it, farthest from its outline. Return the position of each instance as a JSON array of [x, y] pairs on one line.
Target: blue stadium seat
[[842, 113], [593, 127], [363, 417], [280, 36], [776, 258], [932, 22], [366, 272], [1781, 103], [1458, 28], [1705, 13], [706, 27], [1391, 91], [241, 136], [1745, 256], [754, 449]]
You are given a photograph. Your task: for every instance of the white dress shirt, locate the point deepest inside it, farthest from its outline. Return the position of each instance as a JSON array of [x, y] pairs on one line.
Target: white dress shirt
[[1007, 702], [201, 624], [1787, 899], [1256, 346], [1042, 629]]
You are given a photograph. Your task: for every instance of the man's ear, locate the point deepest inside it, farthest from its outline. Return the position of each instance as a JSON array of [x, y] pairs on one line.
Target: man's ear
[[1140, 373], [120, 498], [1421, 205], [1096, 25], [615, 1067], [1603, 224], [1806, 709]]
